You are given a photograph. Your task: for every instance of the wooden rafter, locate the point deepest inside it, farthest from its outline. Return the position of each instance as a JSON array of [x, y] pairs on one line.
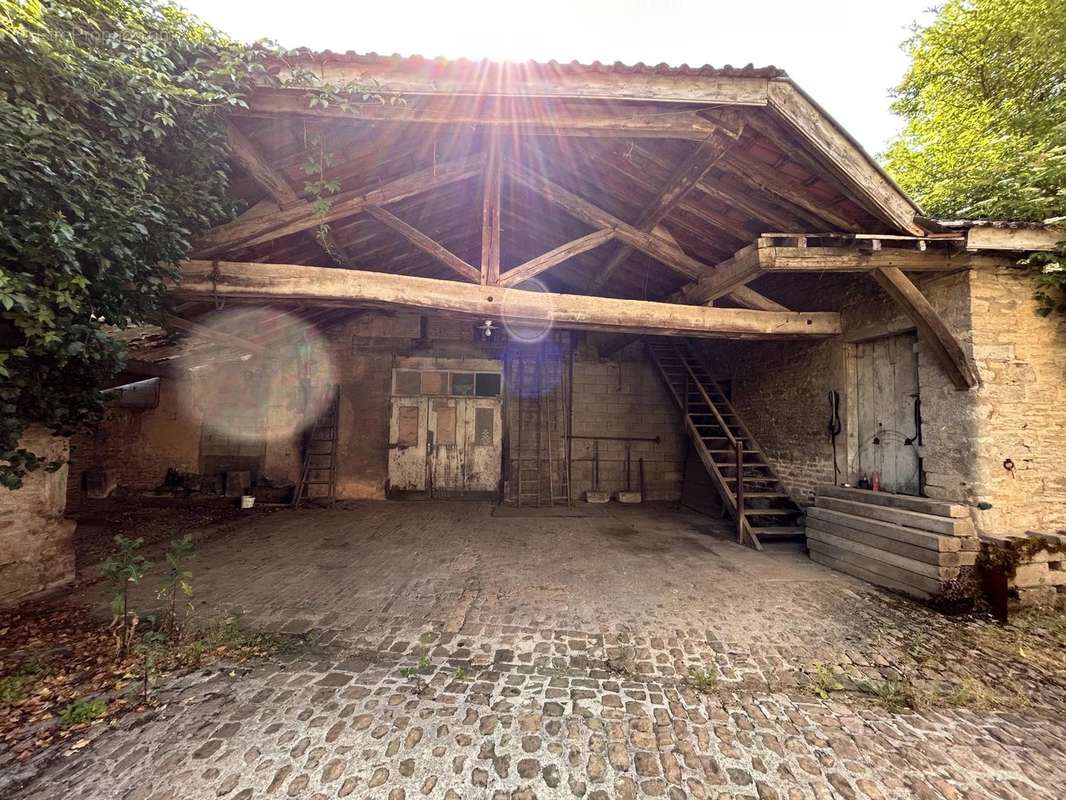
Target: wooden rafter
[[556, 256], [274, 183], [848, 160], [346, 287], [302, 217], [681, 182], [213, 334], [655, 246], [931, 327], [426, 244]]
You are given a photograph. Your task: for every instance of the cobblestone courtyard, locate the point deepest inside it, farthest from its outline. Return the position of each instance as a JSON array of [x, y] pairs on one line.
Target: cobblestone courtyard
[[628, 652]]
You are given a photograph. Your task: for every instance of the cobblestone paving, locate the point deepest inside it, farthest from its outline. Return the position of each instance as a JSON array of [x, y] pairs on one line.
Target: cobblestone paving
[[556, 652]]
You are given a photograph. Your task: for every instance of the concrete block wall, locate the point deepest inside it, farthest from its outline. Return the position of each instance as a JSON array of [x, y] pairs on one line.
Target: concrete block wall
[[624, 396], [36, 546]]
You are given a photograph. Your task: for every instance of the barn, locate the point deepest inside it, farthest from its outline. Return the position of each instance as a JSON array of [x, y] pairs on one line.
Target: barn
[[548, 285]]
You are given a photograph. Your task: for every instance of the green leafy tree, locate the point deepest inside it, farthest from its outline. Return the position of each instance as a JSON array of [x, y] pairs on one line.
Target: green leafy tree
[[985, 107], [113, 158]]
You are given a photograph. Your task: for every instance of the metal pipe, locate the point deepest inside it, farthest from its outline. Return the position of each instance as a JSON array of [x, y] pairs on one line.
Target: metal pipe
[[616, 438]]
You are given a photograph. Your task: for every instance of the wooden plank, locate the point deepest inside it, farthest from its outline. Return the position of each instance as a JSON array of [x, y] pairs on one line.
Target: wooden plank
[[490, 217], [302, 217], [857, 258], [943, 558], [866, 551], [923, 505], [817, 130], [658, 248], [558, 255], [429, 77], [947, 526], [683, 180], [885, 530], [933, 330], [606, 123], [827, 559], [426, 244], [348, 287]]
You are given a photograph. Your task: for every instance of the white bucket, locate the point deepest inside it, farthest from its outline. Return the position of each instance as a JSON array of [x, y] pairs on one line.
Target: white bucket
[[247, 501]]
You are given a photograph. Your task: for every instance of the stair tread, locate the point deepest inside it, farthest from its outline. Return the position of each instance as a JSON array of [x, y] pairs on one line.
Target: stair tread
[[778, 530]]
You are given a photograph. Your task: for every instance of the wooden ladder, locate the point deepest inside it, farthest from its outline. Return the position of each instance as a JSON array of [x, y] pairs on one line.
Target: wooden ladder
[[751, 492], [320, 456], [543, 475]]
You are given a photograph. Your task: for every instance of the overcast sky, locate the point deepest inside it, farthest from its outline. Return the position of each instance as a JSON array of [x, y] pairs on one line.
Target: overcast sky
[[845, 53]]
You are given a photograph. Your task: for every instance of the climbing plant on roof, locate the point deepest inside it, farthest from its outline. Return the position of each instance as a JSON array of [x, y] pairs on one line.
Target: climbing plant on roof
[[113, 159]]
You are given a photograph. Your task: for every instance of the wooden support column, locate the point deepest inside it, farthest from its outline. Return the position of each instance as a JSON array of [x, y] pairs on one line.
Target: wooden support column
[[933, 330], [490, 216]]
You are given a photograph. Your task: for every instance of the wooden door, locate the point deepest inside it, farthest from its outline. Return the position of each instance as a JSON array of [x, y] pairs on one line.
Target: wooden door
[[483, 445], [887, 413], [408, 444]]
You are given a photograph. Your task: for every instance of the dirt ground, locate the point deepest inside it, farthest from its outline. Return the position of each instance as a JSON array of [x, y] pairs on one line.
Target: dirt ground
[[457, 650]]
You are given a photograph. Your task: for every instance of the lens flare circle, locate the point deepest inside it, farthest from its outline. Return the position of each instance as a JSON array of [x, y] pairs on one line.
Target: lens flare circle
[[264, 394], [521, 325]]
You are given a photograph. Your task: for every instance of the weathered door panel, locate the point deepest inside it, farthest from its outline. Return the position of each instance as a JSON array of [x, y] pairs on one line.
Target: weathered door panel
[[408, 440], [484, 443], [886, 394]]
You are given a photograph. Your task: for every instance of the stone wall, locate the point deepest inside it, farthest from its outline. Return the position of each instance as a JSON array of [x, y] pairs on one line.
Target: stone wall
[[1020, 409], [36, 547], [1017, 414], [138, 446]]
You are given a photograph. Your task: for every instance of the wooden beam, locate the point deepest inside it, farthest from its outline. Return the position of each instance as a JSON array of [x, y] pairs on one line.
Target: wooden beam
[[656, 247], [273, 183], [749, 298], [490, 216], [302, 217], [733, 273], [537, 265], [681, 182], [422, 76], [818, 130], [1018, 239], [258, 168], [425, 243], [634, 123], [346, 287], [932, 329], [764, 257]]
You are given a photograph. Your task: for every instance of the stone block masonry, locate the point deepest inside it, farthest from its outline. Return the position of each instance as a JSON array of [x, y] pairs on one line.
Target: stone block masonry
[[36, 547]]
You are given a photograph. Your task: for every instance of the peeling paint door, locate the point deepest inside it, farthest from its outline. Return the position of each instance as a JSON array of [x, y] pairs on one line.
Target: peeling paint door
[[888, 412], [408, 441], [445, 430]]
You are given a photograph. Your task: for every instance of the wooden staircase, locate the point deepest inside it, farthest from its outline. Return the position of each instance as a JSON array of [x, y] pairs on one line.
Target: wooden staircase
[[751, 493]]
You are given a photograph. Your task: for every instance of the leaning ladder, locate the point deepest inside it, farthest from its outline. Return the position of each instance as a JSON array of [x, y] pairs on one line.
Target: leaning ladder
[[320, 456], [544, 465]]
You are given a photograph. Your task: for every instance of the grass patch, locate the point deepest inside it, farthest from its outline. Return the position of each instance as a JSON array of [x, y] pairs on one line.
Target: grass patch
[[894, 696], [824, 681], [704, 680], [80, 712]]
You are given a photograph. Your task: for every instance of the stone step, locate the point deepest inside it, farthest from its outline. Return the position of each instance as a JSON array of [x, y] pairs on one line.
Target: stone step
[[943, 558], [912, 519], [886, 530], [872, 554], [921, 505], [856, 571]]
